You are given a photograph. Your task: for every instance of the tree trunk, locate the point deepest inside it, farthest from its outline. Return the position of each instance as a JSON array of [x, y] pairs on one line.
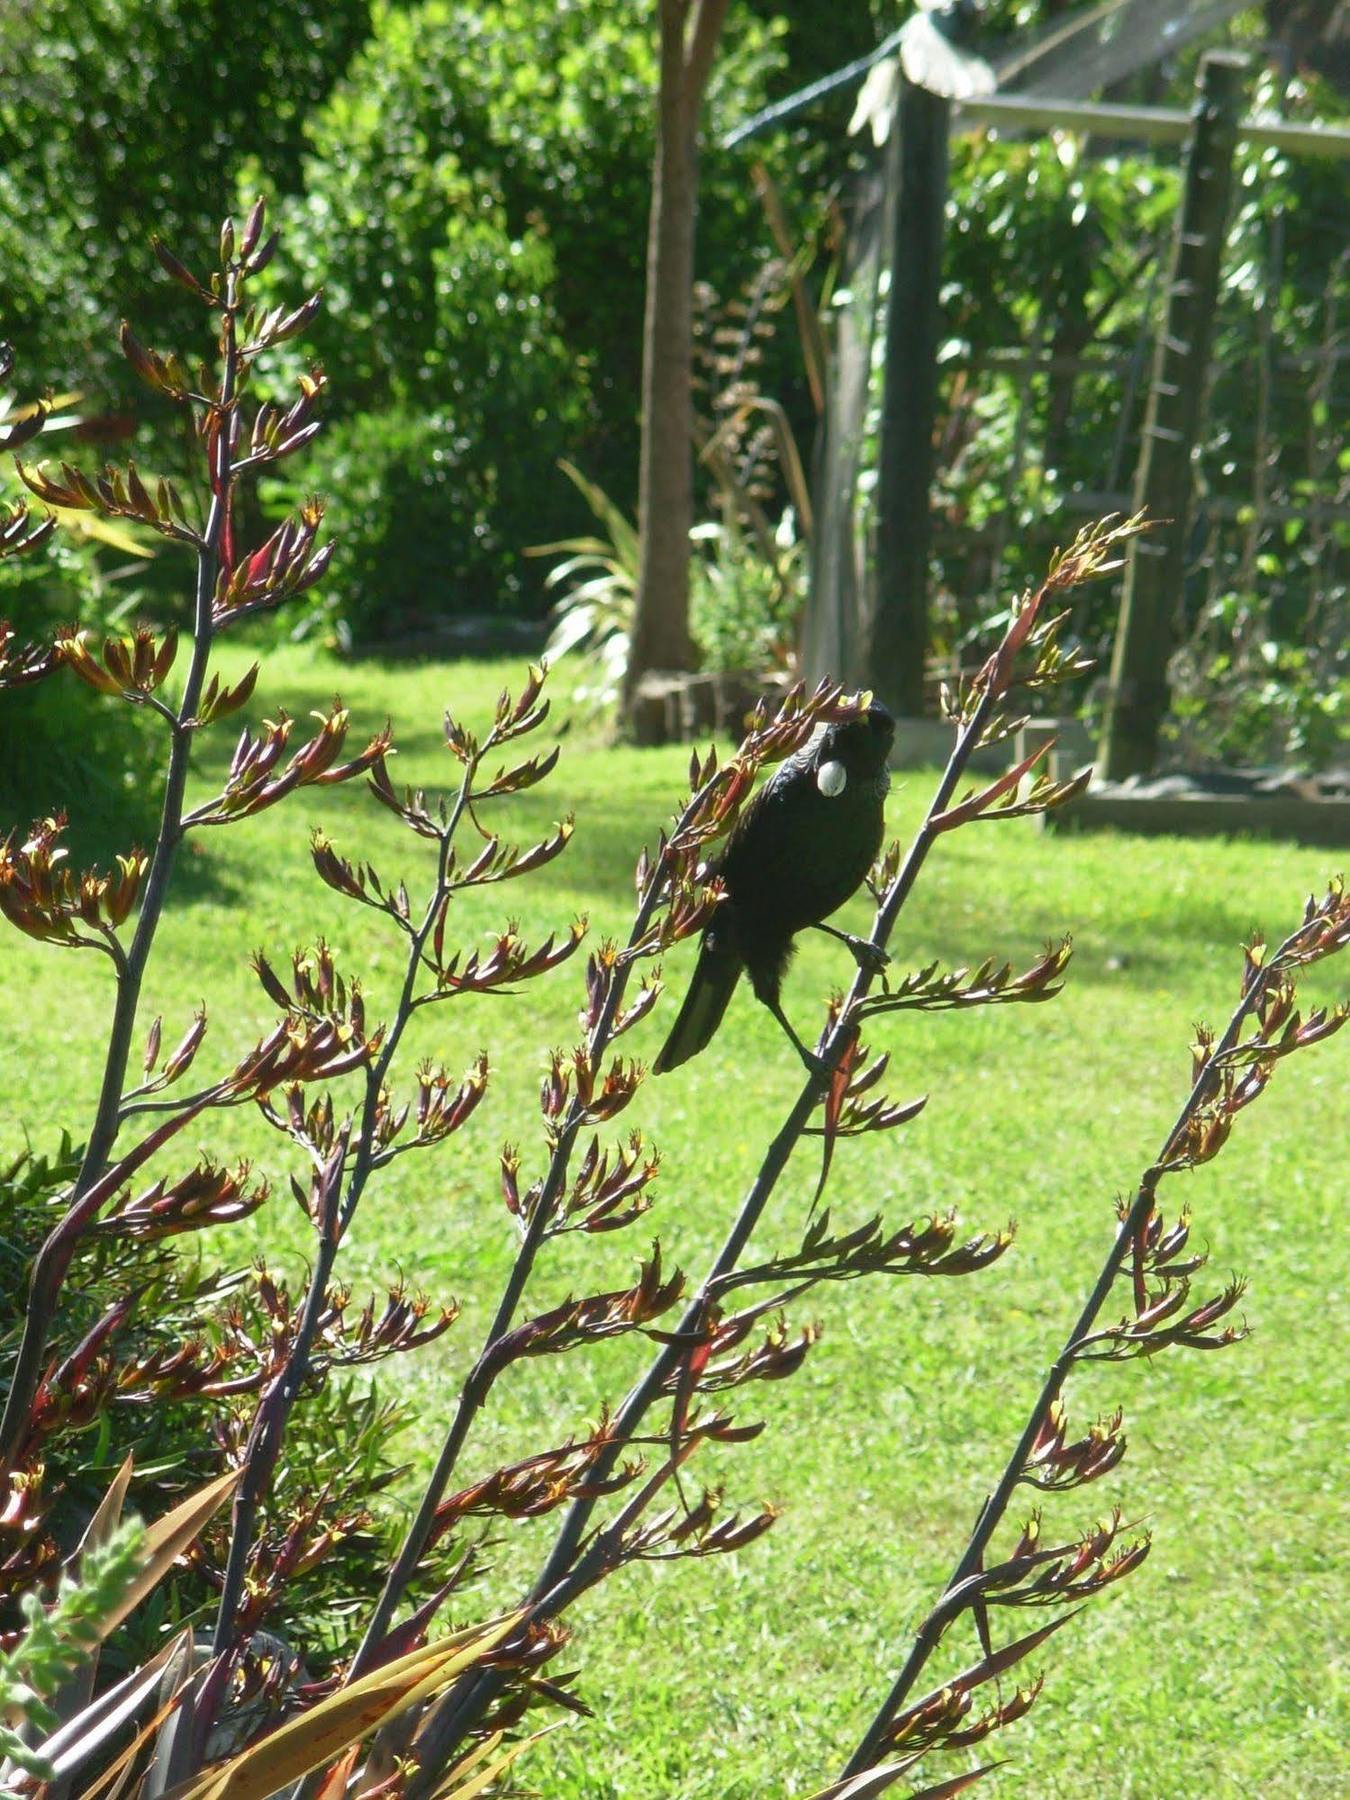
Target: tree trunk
[[660, 636], [1156, 563], [898, 637]]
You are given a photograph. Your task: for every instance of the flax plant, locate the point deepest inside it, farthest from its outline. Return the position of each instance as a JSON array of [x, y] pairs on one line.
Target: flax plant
[[434, 1703]]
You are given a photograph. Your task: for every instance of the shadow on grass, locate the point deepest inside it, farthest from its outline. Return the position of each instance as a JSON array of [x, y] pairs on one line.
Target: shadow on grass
[[64, 750], [203, 879]]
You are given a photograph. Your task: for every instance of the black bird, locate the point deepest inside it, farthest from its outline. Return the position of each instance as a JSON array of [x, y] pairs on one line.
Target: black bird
[[800, 848]]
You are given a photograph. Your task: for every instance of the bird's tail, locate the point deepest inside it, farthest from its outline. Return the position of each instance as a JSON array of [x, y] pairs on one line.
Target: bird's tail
[[715, 976]]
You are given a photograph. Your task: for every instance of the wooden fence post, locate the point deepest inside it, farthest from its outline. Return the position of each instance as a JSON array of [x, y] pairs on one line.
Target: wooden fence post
[[1155, 566], [898, 636], [833, 637]]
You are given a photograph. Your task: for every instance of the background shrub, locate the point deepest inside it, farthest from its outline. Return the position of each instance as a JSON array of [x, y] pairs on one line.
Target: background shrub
[[56, 744], [417, 518], [474, 204], [112, 111]]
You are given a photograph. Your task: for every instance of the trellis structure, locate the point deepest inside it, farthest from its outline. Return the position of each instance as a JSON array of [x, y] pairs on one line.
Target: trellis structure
[[841, 634]]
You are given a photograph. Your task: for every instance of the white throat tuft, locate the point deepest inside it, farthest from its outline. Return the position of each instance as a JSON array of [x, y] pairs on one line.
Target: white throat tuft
[[831, 779]]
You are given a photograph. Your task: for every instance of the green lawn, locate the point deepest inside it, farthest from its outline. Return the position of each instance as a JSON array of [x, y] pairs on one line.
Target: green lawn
[[1212, 1671]]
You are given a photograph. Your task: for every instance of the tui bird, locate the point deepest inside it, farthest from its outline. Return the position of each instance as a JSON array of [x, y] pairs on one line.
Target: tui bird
[[800, 848]]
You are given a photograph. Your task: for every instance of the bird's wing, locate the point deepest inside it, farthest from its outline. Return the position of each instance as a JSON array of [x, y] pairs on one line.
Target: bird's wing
[[774, 832], [714, 979]]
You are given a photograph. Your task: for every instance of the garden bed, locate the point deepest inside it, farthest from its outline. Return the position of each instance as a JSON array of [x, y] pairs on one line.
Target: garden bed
[[1262, 802], [1309, 809]]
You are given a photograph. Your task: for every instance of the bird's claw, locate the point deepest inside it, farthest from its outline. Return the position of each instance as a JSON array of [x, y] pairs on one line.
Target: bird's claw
[[817, 1066], [870, 957]]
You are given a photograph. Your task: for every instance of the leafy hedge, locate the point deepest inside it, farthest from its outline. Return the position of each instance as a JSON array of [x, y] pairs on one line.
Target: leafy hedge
[[475, 204]]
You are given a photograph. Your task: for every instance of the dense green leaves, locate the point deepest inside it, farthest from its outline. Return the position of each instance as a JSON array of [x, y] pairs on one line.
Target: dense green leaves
[[120, 115], [475, 200]]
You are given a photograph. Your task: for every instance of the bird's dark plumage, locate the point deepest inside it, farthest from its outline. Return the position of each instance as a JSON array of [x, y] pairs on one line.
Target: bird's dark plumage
[[799, 850]]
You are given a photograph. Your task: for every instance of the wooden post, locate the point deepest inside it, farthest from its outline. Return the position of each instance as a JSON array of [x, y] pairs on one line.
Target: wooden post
[[833, 639], [898, 634], [1156, 563]]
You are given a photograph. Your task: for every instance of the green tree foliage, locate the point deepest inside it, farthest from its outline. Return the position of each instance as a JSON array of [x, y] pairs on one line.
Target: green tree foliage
[[469, 183], [458, 389], [419, 504], [474, 203], [54, 744], [1266, 670], [113, 111]]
